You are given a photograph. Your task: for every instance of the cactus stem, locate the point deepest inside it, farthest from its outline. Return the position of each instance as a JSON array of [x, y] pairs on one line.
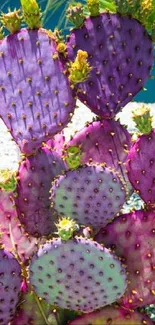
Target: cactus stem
[[41, 308]]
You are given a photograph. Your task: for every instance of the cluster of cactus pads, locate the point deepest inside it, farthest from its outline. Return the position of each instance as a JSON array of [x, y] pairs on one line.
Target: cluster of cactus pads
[[68, 253]]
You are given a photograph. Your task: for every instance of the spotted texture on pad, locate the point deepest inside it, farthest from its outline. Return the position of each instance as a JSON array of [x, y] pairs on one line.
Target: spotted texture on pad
[[113, 316], [10, 225], [10, 282], [132, 237], [36, 173], [104, 142], [36, 100], [78, 274], [121, 54], [91, 195], [141, 167]]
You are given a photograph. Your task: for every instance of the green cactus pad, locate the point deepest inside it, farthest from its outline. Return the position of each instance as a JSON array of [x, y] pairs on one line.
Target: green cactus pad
[[12, 20], [78, 274], [90, 195], [94, 7], [143, 119], [32, 13], [8, 180], [73, 157], [75, 14]]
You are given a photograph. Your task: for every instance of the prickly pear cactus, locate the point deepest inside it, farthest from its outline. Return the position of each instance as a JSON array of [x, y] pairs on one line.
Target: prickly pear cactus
[[69, 254]]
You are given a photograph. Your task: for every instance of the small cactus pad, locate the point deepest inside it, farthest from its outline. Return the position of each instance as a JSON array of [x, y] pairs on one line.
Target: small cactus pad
[[12, 20], [79, 70], [91, 195], [143, 119], [103, 142], [7, 180], [93, 7], [32, 13], [33, 205], [113, 316], [11, 230], [132, 237], [10, 282], [121, 54], [75, 14], [78, 274], [141, 167], [36, 100]]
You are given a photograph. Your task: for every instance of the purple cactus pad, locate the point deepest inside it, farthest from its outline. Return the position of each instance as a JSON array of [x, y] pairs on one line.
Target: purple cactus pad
[[113, 316], [141, 167], [104, 142], [132, 237], [11, 227], [121, 55], [78, 274], [36, 100], [10, 282], [91, 195], [57, 143], [32, 200]]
